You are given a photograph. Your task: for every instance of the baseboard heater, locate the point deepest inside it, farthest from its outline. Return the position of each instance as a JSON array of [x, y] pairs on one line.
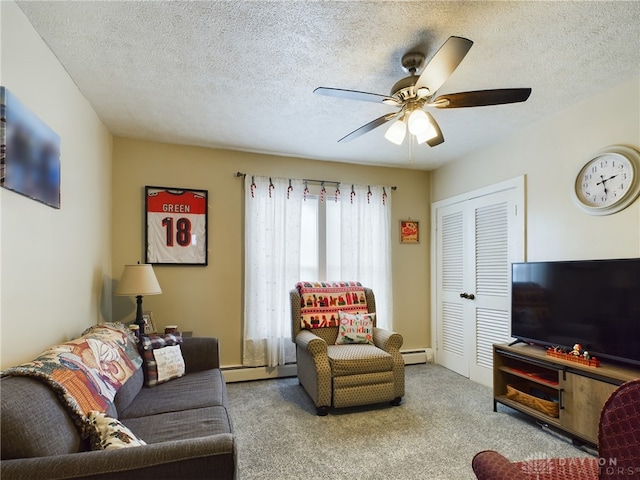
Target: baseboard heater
[[239, 373]]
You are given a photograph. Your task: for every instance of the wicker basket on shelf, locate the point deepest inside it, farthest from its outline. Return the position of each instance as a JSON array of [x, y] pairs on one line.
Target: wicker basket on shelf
[[520, 392]]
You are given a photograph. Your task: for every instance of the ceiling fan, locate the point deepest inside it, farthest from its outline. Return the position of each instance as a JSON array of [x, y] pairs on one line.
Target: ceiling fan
[[411, 94]]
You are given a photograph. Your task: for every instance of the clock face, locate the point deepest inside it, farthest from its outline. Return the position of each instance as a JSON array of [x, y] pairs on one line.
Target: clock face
[[605, 180], [609, 181]]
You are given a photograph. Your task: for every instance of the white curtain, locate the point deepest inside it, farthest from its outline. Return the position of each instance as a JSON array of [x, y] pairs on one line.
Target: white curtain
[[365, 244], [272, 267]]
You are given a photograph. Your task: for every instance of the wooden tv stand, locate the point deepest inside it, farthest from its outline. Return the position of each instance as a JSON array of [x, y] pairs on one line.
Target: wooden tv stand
[[579, 390]]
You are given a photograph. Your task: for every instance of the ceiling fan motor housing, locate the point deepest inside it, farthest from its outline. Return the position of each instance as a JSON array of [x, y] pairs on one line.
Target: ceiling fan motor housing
[[404, 89]]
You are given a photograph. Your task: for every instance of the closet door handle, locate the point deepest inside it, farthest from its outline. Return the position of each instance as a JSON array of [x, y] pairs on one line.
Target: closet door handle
[[469, 296]]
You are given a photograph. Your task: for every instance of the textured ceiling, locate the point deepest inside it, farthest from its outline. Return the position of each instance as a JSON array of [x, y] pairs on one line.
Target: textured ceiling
[[240, 74]]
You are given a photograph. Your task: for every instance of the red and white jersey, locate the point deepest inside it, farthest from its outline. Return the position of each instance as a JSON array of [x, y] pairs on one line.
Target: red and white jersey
[[176, 226]]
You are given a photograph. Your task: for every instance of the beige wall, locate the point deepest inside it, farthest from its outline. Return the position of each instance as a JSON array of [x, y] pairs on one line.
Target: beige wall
[[57, 266], [550, 153], [209, 300], [53, 262]]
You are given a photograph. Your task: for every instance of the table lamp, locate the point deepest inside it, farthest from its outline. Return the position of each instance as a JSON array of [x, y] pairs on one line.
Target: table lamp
[[138, 280]]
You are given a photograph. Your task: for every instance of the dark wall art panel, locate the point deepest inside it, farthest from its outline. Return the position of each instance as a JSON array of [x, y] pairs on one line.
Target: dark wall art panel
[[30, 153]]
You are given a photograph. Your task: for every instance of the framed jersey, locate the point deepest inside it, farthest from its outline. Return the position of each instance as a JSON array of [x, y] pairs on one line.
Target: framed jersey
[[176, 226]]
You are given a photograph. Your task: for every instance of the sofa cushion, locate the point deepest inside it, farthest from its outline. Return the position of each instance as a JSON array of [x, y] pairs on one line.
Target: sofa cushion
[[34, 422], [169, 426], [111, 434], [206, 389], [355, 359], [128, 392]]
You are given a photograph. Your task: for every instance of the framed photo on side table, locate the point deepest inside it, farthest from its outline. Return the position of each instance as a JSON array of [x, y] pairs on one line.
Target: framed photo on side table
[[409, 231], [149, 324], [176, 226]]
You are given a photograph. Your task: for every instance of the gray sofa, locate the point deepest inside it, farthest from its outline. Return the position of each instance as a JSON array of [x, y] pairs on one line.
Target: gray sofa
[[184, 422]]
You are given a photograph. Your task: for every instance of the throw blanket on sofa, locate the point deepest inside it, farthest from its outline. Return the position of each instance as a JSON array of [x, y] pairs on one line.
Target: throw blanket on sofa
[[321, 301], [86, 372]]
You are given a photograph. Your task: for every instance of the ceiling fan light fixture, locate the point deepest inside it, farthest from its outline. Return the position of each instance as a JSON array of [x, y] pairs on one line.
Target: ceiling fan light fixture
[[396, 132], [418, 122], [427, 135]]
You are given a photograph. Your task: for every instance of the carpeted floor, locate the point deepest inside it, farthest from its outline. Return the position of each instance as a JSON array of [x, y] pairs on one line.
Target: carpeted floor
[[443, 421]]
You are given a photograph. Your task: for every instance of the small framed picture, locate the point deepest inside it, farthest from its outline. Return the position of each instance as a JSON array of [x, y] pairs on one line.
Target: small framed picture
[[409, 231], [149, 324]]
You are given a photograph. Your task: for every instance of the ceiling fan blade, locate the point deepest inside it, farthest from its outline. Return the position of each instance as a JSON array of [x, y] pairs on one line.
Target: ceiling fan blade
[[355, 95], [439, 138], [443, 63], [481, 98], [368, 127]]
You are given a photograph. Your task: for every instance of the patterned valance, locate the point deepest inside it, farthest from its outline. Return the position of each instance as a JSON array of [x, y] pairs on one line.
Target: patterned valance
[[334, 194]]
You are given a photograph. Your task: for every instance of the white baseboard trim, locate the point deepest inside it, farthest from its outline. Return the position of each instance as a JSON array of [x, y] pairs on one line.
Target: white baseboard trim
[[244, 374], [239, 373]]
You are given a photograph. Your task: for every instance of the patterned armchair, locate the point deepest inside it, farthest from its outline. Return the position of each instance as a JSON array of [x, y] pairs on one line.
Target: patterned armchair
[[618, 448], [346, 374]]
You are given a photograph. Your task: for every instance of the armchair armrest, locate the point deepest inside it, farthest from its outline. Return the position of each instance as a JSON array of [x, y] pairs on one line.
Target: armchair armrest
[[311, 343], [192, 458], [386, 339], [490, 465]]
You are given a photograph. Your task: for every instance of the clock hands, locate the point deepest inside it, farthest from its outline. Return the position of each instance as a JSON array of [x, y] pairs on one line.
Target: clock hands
[[604, 180]]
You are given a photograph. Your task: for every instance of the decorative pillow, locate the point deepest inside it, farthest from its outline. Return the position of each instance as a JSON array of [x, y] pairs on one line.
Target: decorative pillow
[[162, 358], [110, 433], [355, 328]]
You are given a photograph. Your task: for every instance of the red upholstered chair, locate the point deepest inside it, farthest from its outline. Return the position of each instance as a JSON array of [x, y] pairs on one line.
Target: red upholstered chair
[[618, 448]]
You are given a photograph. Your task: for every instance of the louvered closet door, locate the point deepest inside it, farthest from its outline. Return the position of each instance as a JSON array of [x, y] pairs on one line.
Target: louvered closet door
[[477, 240]]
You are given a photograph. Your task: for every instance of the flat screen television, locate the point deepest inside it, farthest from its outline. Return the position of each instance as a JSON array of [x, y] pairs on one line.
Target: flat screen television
[[595, 303]]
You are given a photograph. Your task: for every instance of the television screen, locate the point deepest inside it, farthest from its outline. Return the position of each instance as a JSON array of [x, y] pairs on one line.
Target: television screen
[[595, 303]]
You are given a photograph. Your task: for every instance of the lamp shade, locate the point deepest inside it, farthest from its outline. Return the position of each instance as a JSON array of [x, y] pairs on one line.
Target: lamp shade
[[429, 133], [396, 132], [418, 122], [138, 280]]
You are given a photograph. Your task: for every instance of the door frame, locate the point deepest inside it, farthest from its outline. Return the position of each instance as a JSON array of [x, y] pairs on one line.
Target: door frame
[[517, 183]]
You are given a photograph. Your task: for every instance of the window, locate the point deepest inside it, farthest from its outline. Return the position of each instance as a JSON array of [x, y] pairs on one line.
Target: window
[[292, 236]]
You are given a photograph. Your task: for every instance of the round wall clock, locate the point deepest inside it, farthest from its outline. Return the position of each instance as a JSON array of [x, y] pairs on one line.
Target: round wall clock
[[610, 181]]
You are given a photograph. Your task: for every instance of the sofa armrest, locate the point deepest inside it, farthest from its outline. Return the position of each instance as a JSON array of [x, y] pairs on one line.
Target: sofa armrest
[[311, 343], [490, 465], [386, 339], [200, 353], [191, 458]]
